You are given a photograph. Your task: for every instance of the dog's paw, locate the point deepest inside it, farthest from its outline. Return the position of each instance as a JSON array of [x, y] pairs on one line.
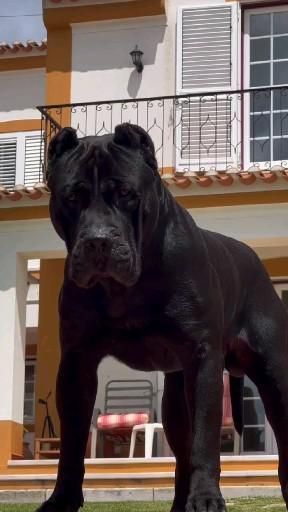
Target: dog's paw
[[205, 503], [179, 504], [54, 505]]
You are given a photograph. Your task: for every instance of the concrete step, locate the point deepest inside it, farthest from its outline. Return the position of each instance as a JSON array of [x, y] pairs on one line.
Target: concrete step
[[137, 473]]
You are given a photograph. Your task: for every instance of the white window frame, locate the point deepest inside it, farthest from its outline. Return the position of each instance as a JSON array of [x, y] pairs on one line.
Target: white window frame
[[20, 152], [254, 426], [246, 80], [30, 419], [180, 164]]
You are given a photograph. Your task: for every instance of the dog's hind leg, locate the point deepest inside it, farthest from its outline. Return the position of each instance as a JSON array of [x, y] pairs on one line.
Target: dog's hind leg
[[267, 329], [176, 423]]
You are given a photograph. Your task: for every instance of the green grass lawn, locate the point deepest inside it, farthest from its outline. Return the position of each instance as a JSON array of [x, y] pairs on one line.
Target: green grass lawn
[[243, 505]]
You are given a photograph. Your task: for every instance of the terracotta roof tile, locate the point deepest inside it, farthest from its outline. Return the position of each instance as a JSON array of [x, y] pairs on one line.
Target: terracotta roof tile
[[226, 179], [40, 190], [27, 47]]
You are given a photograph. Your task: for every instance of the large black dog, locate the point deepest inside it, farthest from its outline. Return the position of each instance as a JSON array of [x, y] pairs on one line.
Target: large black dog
[[144, 284]]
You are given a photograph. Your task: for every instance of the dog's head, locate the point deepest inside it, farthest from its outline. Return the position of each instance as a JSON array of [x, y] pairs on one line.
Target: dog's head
[[104, 201]]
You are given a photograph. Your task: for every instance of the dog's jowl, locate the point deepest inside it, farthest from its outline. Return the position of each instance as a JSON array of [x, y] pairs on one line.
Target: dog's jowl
[[145, 284]]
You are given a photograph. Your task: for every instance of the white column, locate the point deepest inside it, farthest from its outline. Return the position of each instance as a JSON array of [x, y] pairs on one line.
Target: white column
[[13, 290]]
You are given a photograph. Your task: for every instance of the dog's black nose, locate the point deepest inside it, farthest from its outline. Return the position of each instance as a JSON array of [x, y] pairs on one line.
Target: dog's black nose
[[98, 246]]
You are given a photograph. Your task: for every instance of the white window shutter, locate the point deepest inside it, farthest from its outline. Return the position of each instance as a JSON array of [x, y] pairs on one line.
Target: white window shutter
[[205, 132], [204, 56], [206, 48], [33, 153], [8, 150]]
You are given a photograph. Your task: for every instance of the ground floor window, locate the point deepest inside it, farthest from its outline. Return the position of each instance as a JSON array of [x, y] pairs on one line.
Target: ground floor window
[[253, 439], [29, 391]]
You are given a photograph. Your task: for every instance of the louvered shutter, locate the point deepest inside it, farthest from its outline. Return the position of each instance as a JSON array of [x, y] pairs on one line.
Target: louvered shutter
[[8, 150], [206, 133], [33, 160], [206, 48], [204, 65]]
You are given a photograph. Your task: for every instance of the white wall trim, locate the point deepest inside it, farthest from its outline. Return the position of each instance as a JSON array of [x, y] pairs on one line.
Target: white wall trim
[[138, 476], [139, 460]]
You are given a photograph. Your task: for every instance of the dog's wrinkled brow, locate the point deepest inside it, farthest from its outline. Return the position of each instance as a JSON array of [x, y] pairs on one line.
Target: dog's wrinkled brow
[[88, 163], [88, 153]]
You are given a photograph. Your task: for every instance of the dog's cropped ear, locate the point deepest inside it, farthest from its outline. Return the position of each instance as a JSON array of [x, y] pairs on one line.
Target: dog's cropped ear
[[64, 140], [135, 137]]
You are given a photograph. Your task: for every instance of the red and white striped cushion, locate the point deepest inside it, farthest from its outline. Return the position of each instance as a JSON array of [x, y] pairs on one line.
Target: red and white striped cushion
[[227, 419], [110, 421]]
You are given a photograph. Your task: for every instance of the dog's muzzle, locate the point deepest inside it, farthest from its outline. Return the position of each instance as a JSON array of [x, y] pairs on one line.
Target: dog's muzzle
[[98, 250], [99, 257]]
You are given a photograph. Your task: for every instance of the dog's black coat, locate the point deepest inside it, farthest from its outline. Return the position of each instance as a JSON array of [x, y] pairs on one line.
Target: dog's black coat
[[144, 284]]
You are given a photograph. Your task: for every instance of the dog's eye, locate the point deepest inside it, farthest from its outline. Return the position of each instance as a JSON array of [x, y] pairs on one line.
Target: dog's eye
[[128, 201], [79, 195], [72, 198]]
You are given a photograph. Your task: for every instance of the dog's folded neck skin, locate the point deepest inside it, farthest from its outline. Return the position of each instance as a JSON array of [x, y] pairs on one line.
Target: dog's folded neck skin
[[106, 199]]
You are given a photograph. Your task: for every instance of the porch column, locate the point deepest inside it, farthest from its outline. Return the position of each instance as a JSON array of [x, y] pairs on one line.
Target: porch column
[[48, 352], [13, 291]]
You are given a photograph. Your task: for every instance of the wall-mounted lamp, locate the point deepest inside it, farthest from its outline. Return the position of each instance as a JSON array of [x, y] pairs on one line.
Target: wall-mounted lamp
[[136, 55]]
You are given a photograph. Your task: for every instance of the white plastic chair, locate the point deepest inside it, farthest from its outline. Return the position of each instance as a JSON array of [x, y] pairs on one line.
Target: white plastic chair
[[149, 430]]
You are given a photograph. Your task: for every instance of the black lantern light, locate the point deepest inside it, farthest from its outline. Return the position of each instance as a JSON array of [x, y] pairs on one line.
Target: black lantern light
[[136, 55]]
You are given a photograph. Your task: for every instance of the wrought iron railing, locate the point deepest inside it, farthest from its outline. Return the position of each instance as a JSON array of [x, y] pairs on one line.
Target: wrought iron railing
[[202, 134]]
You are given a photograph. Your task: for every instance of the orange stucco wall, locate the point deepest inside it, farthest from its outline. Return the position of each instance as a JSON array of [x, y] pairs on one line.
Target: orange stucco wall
[[11, 436], [277, 267], [51, 272]]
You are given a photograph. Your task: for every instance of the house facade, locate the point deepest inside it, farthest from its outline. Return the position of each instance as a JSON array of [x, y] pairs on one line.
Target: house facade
[[213, 95]]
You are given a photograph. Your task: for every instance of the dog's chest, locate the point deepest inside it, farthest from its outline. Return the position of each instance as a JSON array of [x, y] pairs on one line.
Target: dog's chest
[[128, 318], [146, 350], [132, 310], [144, 341]]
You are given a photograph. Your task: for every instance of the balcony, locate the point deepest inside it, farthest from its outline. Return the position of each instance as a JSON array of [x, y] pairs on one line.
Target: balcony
[[195, 135], [207, 136]]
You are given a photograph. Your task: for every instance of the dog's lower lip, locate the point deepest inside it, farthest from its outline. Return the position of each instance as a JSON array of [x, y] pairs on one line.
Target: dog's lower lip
[[96, 278]]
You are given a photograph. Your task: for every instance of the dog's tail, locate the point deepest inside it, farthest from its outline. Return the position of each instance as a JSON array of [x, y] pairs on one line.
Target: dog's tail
[[236, 393]]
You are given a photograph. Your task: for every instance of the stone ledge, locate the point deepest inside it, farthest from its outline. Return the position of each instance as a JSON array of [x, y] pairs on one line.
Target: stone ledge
[[31, 496], [152, 494]]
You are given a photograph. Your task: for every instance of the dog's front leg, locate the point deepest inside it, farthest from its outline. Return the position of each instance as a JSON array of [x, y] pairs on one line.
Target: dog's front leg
[[76, 393], [204, 392]]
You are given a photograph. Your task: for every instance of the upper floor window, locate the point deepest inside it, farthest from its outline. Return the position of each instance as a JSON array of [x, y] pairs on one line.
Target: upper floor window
[[266, 64], [20, 159]]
